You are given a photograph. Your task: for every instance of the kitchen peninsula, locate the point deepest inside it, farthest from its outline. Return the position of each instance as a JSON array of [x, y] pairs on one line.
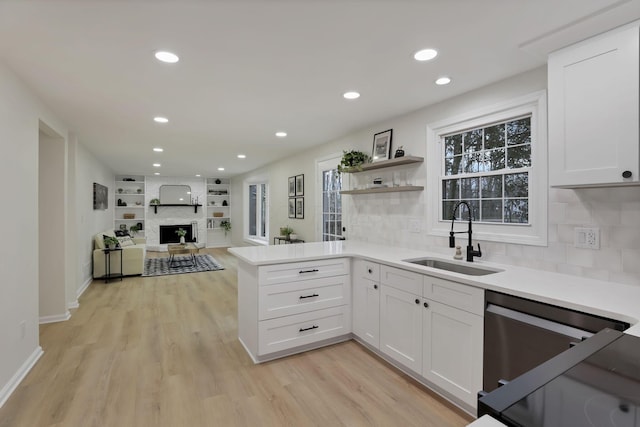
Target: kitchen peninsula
[[282, 311]]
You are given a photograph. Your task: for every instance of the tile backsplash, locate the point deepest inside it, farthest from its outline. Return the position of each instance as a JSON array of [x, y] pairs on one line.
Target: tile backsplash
[[385, 218]]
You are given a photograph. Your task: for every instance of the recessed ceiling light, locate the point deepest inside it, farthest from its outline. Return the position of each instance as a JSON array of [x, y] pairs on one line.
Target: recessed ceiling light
[[220, 169], [160, 120], [242, 156], [198, 175], [443, 81], [157, 173], [281, 134], [425, 54], [168, 57], [351, 95], [158, 149], [156, 165]]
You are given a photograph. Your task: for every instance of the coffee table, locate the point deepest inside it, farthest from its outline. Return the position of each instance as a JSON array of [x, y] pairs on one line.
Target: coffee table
[[182, 248]]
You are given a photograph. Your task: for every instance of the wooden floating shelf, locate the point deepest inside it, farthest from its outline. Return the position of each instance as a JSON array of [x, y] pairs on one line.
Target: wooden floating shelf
[[406, 160], [385, 190]]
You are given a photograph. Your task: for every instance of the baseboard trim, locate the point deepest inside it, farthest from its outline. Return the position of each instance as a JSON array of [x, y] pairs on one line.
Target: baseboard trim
[[17, 378], [73, 304], [84, 287], [56, 318]]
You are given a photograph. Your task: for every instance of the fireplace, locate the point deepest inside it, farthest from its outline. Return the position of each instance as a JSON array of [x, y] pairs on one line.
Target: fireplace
[[168, 233]]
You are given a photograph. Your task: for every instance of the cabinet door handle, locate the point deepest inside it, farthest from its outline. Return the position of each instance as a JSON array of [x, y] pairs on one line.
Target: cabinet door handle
[[308, 296], [370, 271], [308, 329], [626, 174], [426, 304], [417, 301], [375, 286], [315, 270]]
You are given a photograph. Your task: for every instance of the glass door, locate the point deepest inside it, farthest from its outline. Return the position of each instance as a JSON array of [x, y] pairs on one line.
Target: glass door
[[331, 227]]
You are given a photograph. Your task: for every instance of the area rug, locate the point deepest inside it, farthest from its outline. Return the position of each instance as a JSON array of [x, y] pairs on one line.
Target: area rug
[[181, 264]]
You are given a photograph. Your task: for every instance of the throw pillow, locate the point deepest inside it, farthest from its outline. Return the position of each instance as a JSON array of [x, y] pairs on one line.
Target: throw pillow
[[125, 241], [120, 233]]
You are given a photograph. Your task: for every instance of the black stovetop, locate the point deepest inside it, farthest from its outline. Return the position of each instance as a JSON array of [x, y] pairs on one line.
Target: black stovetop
[[596, 383]]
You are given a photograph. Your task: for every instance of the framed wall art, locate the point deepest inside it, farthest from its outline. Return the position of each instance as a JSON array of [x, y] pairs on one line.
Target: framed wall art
[[299, 185], [299, 207], [100, 197], [382, 145], [292, 186], [292, 207]]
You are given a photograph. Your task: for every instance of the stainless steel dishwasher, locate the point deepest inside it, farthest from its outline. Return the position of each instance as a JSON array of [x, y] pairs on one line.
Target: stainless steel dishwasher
[[520, 334]]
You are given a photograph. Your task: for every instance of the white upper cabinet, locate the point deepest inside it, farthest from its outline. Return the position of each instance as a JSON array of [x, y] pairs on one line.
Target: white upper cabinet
[[594, 115]]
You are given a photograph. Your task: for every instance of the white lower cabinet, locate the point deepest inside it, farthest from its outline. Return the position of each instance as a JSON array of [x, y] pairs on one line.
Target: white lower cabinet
[[366, 310], [452, 350], [401, 327]]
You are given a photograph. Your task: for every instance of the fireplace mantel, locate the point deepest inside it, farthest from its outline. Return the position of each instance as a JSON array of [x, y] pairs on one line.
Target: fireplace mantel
[[155, 207]]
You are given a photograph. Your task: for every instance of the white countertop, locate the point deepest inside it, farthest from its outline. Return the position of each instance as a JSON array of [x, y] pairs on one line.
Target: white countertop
[[607, 299]]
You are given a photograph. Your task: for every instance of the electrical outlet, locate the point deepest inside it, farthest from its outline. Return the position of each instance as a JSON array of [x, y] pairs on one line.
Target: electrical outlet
[[587, 238], [414, 226]]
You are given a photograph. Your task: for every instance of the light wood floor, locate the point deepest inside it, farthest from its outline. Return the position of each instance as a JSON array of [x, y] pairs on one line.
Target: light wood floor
[[162, 351]]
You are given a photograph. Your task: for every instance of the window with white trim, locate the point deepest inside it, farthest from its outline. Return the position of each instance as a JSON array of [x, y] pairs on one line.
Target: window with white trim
[[495, 160], [488, 167], [257, 211]]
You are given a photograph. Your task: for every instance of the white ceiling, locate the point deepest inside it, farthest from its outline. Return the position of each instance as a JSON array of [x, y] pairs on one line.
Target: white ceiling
[[251, 68]]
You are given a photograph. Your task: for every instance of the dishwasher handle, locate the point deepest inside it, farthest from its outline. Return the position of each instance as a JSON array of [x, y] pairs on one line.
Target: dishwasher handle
[[539, 322]]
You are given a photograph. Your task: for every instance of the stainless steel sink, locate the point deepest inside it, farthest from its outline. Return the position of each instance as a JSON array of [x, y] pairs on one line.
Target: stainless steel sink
[[455, 267]]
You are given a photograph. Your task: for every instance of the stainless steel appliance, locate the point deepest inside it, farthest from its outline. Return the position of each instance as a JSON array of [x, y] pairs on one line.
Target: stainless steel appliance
[[596, 383], [520, 334]]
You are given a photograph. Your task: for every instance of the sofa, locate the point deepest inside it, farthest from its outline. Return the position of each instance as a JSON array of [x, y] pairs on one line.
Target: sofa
[[133, 254]]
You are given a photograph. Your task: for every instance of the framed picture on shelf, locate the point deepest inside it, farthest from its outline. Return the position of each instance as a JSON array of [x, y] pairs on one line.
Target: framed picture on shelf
[[382, 146], [299, 207], [299, 185], [292, 186], [292, 207]]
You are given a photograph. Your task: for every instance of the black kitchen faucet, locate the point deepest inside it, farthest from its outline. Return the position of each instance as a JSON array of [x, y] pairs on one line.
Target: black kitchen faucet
[[452, 239]]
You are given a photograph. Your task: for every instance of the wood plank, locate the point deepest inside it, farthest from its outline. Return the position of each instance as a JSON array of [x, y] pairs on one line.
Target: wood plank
[[163, 351]]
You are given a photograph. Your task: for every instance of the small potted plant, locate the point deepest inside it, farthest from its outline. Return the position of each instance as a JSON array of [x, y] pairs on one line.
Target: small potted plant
[[286, 231], [111, 242], [353, 161], [225, 224], [181, 232], [154, 202], [134, 229]]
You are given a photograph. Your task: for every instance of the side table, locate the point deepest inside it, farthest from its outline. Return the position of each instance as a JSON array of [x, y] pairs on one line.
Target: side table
[[108, 275], [281, 239]]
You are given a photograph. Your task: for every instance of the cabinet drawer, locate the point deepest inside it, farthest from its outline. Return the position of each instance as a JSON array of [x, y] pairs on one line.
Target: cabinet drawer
[[407, 281], [292, 331], [366, 269], [299, 297], [464, 297], [281, 273]]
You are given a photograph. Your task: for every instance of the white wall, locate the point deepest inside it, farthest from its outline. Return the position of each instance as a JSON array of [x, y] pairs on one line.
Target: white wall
[[383, 218], [88, 169], [20, 113]]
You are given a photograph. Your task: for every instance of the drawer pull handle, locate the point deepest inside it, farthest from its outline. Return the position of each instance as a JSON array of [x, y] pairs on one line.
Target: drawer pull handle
[[309, 296], [315, 270], [308, 329]]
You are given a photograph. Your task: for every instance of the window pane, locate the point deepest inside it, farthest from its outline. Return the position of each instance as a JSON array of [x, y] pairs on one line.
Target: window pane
[[494, 160], [516, 211], [519, 157], [473, 162], [472, 140], [492, 210], [452, 145], [519, 131], [447, 210], [492, 187], [470, 188], [453, 166], [253, 212], [338, 203], [450, 189], [325, 202], [516, 185], [494, 137], [263, 210]]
